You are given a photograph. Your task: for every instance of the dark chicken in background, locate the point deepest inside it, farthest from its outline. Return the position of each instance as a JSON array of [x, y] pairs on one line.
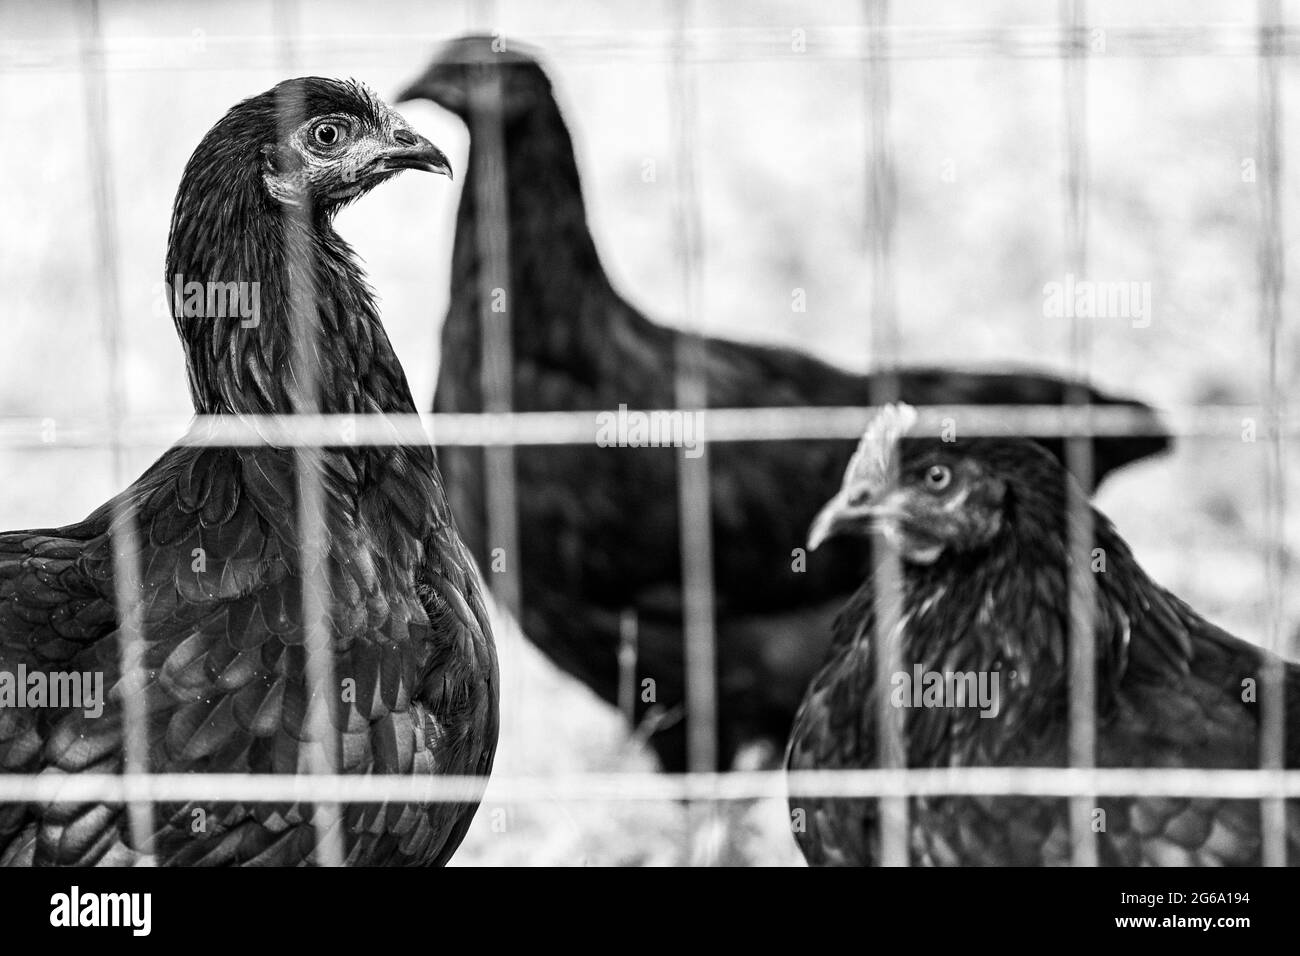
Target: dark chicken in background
[[980, 529], [227, 686], [599, 527]]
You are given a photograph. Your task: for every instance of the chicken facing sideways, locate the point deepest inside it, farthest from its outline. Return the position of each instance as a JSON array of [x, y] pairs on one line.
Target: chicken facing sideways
[[979, 527], [599, 526], [225, 670]]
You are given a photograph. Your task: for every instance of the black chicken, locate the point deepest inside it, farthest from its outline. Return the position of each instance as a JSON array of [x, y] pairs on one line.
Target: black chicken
[[221, 561], [599, 527], [980, 528]]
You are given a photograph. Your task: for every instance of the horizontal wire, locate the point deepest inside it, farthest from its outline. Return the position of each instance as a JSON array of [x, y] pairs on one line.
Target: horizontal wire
[[204, 788], [588, 427], [201, 51]]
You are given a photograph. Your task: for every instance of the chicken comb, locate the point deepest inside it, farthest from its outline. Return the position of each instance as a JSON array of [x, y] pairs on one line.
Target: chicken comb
[[872, 461]]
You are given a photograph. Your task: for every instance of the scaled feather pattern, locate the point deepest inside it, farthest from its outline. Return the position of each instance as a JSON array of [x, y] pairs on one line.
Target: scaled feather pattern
[[219, 542], [599, 527], [980, 527]]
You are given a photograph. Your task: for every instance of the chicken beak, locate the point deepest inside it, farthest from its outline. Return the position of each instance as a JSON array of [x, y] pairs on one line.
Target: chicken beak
[[439, 86], [833, 515], [841, 513], [416, 152]]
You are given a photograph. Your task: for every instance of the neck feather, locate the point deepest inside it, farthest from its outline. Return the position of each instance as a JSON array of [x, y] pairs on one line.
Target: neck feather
[[249, 280], [554, 268], [1008, 614]]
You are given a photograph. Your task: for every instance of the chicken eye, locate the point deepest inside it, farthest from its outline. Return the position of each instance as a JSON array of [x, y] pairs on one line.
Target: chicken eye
[[938, 478], [327, 134]]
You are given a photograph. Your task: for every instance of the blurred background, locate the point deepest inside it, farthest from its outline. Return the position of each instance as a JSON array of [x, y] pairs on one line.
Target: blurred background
[[780, 155]]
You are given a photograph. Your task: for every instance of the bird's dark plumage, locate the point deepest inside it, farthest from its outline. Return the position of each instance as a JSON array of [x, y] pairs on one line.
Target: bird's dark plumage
[[980, 526], [599, 527], [221, 561]]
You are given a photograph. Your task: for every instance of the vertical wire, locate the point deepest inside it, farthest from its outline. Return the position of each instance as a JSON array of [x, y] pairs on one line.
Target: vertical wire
[[488, 178], [885, 340], [123, 532], [285, 27], [691, 389], [627, 658], [482, 15], [1078, 449], [487, 187], [1271, 282], [309, 463], [496, 370]]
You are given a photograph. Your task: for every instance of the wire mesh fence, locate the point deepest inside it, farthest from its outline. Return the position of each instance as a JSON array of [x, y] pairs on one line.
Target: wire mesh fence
[[879, 44]]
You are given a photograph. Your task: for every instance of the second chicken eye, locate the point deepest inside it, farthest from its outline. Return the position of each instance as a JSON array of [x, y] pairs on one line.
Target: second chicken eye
[[938, 478], [327, 134]]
